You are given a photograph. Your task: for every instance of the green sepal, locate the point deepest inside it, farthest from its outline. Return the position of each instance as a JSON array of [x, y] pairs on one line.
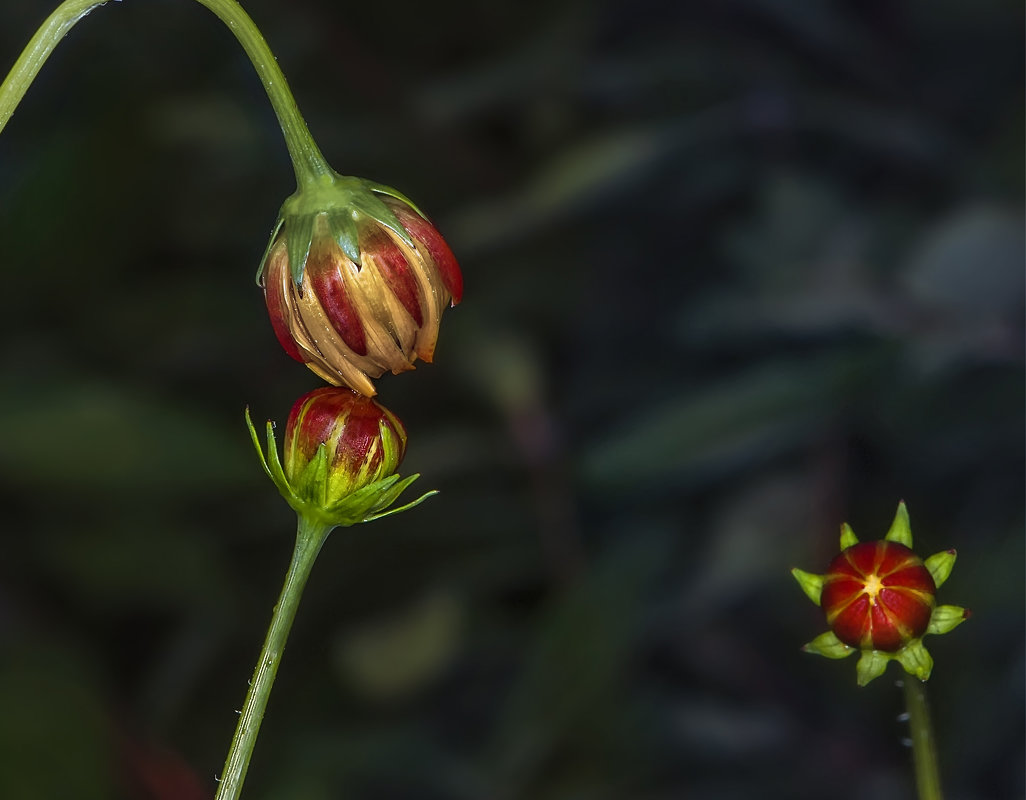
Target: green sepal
[[402, 508], [270, 461], [871, 666], [346, 232], [370, 502], [368, 204], [828, 645], [299, 233], [940, 566], [316, 474], [267, 250], [848, 537], [811, 584], [901, 530], [380, 188], [916, 660], [947, 618]]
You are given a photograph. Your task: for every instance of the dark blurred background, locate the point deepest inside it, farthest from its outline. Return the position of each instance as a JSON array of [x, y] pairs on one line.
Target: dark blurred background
[[736, 272]]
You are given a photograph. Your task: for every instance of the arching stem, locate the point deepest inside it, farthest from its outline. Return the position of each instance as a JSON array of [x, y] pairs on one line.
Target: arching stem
[[307, 159]]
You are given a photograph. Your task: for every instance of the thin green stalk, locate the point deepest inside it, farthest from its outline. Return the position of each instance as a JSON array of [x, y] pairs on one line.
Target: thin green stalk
[[307, 159], [310, 537], [924, 746]]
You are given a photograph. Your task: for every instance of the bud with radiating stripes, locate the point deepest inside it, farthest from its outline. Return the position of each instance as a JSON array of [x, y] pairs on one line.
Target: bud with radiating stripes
[[878, 598]]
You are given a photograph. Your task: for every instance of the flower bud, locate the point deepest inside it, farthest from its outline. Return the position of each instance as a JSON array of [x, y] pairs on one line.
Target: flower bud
[[361, 440], [356, 280], [341, 454], [878, 598]]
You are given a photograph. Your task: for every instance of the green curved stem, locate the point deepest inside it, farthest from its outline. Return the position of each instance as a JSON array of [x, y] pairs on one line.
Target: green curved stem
[[310, 537], [307, 159], [924, 746]]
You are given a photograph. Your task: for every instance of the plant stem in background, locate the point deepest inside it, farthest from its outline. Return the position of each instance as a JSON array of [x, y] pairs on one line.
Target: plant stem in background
[[307, 159], [924, 746], [310, 536]]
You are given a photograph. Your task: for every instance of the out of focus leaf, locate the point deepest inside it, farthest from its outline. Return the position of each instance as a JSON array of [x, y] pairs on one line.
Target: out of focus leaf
[[700, 433], [56, 738], [109, 435], [577, 659], [393, 657], [971, 265]]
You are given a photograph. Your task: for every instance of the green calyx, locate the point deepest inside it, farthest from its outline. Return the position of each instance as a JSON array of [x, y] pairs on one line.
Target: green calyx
[[308, 494], [335, 206]]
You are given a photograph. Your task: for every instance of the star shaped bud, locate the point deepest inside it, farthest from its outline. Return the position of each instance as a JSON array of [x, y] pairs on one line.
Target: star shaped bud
[[341, 454], [879, 599], [355, 279]]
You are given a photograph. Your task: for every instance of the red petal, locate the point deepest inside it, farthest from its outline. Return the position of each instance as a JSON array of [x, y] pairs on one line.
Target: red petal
[[852, 624], [894, 556], [838, 591], [913, 576], [908, 608], [426, 233], [886, 636], [278, 264], [324, 271], [312, 420], [395, 269], [863, 557]]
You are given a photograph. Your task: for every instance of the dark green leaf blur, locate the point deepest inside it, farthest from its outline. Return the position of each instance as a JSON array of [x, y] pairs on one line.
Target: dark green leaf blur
[[736, 272]]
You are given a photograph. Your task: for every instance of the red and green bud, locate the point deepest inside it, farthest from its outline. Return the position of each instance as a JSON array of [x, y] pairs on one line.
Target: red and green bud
[[361, 441], [878, 598], [356, 280], [341, 455]]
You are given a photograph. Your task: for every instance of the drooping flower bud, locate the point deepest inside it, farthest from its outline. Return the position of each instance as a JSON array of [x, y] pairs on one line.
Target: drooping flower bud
[[341, 454], [356, 280], [878, 598]]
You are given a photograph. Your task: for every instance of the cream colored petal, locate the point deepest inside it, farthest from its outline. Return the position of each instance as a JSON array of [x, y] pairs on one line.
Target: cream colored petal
[[429, 283], [382, 349], [328, 356]]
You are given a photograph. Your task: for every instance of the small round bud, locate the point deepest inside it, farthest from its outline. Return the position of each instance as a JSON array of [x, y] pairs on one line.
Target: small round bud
[[359, 441], [878, 596], [342, 451]]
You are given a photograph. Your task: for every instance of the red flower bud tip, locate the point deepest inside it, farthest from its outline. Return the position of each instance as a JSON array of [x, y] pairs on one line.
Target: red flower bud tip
[[356, 280], [341, 454], [878, 598]]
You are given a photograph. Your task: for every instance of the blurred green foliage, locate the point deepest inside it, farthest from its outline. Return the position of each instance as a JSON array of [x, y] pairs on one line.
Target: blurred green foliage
[[736, 272]]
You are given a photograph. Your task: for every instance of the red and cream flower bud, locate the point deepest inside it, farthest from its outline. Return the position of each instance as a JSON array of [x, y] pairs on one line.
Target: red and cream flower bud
[[341, 454], [878, 598], [355, 281]]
